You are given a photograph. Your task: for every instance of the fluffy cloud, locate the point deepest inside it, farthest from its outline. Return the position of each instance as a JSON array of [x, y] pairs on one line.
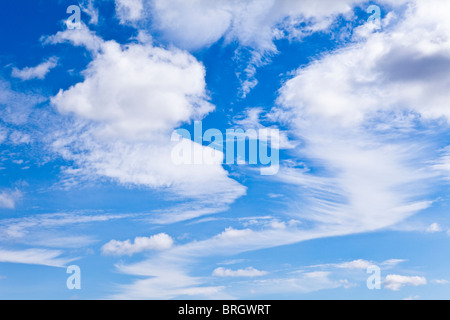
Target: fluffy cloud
[[396, 282], [356, 264], [160, 241], [9, 198], [19, 227], [125, 110], [253, 24], [38, 72], [247, 272]]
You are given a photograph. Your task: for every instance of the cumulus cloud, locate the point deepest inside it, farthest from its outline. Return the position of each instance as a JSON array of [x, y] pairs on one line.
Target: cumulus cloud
[[38, 72], [247, 272], [160, 241], [253, 23], [396, 282], [440, 281]]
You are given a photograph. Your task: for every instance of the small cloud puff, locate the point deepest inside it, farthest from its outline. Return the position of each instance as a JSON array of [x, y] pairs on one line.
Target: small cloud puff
[[160, 241]]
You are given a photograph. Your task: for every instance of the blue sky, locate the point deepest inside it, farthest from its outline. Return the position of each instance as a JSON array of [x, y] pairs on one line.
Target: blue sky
[[87, 179]]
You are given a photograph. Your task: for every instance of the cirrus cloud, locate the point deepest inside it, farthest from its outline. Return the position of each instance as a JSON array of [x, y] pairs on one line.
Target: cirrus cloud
[[247, 272]]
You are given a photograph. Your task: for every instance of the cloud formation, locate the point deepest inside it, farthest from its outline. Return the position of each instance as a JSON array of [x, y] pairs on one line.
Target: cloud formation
[[247, 272], [160, 241], [395, 282]]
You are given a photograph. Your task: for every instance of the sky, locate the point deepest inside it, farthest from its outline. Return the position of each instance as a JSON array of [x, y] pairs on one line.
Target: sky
[[88, 114]]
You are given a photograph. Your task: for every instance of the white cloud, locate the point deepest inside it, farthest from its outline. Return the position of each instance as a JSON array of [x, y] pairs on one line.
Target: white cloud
[[247, 272], [303, 283], [138, 91], [131, 100], [8, 198], [254, 23], [129, 10], [16, 107], [160, 241], [42, 229], [396, 282], [433, 228], [88, 7], [38, 72], [356, 264], [440, 281], [44, 257], [354, 111]]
